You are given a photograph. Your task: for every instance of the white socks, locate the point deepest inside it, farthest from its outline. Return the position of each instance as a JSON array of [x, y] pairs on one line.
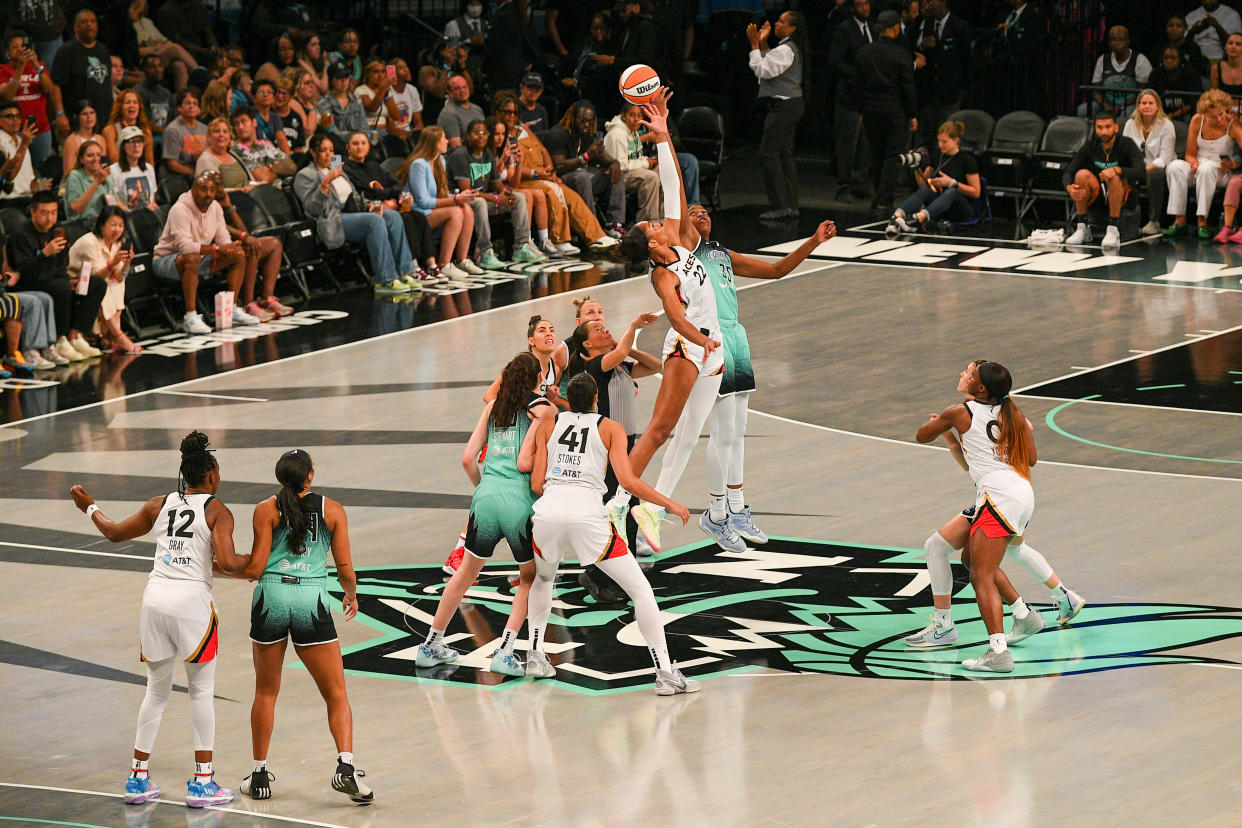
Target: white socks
[[346, 757], [997, 643], [506, 639], [737, 501], [1020, 609], [943, 617], [434, 637], [541, 236], [716, 508]]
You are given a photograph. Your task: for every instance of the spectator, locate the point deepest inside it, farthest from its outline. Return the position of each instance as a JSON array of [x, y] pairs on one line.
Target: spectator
[[268, 124], [507, 155], [215, 100], [88, 186], [305, 97], [1152, 132], [25, 79], [1210, 24], [340, 110], [311, 58], [260, 251], [263, 160], [623, 146], [132, 179], [1213, 135], [82, 66], [779, 71], [38, 318], [530, 112], [426, 179], [1191, 55], [217, 157], [590, 72], [949, 189], [850, 144], [120, 77], [637, 38], [186, 137], [433, 82], [156, 99], [1108, 164], [472, 167], [582, 161], [403, 98], [1227, 72], [373, 183], [109, 260], [235, 57], [347, 53], [127, 111], [944, 41], [179, 63], [283, 58], [470, 27], [44, 21], [458, 111], [187, 23], [38, 251], [1172, 77], [291, 124], [511, 48], [340, 216], [17, 178], [1123, 69], [374, 92], [194, 245], [889, 108], [240, 86], [87, 128]]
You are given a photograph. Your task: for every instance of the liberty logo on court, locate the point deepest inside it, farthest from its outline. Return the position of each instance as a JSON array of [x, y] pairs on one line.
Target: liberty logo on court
[[800, 606]]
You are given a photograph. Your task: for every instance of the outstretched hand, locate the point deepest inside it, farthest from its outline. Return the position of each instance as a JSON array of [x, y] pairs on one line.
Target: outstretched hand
[[825, 231], [645, 319], [656, 111]]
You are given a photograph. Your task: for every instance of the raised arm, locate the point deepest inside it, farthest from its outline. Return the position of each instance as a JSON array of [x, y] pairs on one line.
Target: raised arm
[[757, 269], [622, 350], [656, 120], [134, 526], [338, 524]]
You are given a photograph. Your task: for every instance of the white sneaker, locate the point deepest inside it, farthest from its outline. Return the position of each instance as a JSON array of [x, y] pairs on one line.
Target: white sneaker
[[68, 351], [1024, 628], [991, 662], [604, 243], [193, 324], [674, 683], [453, 272], [538, 666], [52, 355], [1112, 237], [1151, 228], [37, 361], [549, 247], [567, 248], [902, 224], [1067, 611], [84, 348], [240, 317], [470, 267], [1081, 235]]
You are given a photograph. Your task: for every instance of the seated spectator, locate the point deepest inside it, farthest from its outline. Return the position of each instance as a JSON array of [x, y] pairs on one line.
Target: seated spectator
[[340, 216], [948, 188], [305, 97], [86, 127], [235, 56], [374, 184], [404, 107], [38, 318], [373, 93], [623, 145], [109, 260], [178, 62], [88, 187], [195, 244], [11, 328], [132, 179], [1210, 142], [291, 125], [458, 111], [1172, 77], [283, 57], [215, 100], [37, 250], [217, 156], [127, 111], [590, 72], [340, 111], [530, 112], [581, 160], [1152, 132], [17, 178], [268, 125], [81, 65], [425, 177], [1108, 164], [240, 86], [185, 137], [1210, 24], [1191, 55], [1229, 232], [186, 23], [473, 169], [157, 100], [260, 251], [507, 155], [1227, 72], [347, 53], [1120, 68], [27, 81], [311, 58], [121, 77], [261, 158]]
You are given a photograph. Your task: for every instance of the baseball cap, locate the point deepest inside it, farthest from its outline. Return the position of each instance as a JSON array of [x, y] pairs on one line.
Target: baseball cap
[[339, 70], [532, 80], [130, 132]]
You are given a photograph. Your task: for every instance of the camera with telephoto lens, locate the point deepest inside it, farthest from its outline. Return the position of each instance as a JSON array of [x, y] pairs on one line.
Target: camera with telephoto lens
[[915, 159]]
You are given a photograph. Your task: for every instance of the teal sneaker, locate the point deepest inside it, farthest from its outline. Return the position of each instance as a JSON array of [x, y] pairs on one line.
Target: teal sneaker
[[507, 664], [1066, 610], [138, 789], [429, 656], [488, 261], [527, 254]]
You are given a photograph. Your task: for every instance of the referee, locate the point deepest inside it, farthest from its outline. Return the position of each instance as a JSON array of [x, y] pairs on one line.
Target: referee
[[886, 75], [779, 71]]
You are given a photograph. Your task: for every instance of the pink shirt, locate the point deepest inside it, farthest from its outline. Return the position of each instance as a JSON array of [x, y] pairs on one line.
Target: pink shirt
[[188, 228]]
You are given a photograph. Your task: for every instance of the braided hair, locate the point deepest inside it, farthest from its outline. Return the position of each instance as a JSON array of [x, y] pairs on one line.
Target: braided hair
[[292, 469], [196, 461]]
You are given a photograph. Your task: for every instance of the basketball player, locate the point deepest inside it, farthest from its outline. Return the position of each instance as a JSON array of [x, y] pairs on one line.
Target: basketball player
[[728, 520], [571, 455], [1000, 450], [952, 536], [178, 619], [500, 507], [693, 361], [293, 533]]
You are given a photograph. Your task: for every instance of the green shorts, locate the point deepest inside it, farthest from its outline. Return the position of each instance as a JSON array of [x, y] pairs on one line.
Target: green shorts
[[739, 374], [283, 606], [500, 512]]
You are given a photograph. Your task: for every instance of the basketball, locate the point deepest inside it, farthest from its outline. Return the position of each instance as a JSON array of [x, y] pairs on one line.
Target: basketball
[[639, 83]]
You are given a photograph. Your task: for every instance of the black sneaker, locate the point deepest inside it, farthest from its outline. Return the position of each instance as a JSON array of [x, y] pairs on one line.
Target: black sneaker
[[349, 781], [603, 593], [258, 785]]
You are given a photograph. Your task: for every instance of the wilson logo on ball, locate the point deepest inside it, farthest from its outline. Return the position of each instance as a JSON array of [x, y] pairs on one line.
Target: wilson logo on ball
[[639, 83]]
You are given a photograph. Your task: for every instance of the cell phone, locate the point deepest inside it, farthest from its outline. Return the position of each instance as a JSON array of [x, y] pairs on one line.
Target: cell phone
[[392, 72], [60, 233], [32, 121], [27, 44], [334, 162], [599, 136]]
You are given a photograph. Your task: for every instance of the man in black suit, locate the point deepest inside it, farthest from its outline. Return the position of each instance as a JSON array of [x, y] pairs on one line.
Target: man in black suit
[[851, 150], [886, 81], [944, 39], [1021, 37]]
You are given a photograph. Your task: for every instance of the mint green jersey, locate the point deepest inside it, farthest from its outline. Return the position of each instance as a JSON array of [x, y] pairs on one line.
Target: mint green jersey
[[503, 444], [312, 562], [719, 266]]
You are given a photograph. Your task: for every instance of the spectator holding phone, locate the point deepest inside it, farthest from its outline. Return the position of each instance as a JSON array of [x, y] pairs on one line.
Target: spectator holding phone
[[1210, 25], [102, 254], [88, 187], [27, 81], [472, 168], [377, 80], [582, 162], [17, 178]]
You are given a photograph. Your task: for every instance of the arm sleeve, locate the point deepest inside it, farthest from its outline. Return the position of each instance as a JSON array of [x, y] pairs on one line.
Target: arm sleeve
[[776, 61], [670, 180]]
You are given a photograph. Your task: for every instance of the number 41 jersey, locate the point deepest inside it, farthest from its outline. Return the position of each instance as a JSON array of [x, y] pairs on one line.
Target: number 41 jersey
[[183, 539], [577, 456]]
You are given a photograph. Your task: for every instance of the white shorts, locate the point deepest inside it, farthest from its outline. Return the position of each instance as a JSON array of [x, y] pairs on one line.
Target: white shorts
[[1004, 503], [178, 619], [575, 523], [677, 345]]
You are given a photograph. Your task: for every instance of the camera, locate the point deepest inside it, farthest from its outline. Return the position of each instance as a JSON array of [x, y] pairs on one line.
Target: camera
[[915, 159]]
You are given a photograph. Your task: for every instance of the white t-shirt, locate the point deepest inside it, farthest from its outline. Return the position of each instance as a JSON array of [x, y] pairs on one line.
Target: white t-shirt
[[408, 103], [134, 188], [25, 173], [1209, 41]]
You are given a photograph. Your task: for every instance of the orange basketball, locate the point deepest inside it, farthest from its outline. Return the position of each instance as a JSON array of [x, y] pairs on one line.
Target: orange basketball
[[639, 83]]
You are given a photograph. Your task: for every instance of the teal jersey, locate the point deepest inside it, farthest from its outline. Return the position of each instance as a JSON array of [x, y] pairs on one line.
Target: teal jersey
[[312, 561], [503, 444], [719, 265]]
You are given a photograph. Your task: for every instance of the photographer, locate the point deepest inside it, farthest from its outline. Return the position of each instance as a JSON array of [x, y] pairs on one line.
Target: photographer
[[948, 189]]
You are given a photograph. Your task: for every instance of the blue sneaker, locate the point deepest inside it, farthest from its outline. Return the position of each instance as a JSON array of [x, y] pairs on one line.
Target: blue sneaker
[[506, 663], [1067, 609], [744, 525], [138, 789], [429, 656], [201, 794], [722, 533]]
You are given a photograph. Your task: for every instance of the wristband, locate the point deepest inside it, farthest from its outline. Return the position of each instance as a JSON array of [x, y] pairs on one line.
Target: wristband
[[215, 250], [585, 157], [90, 512], [534, 174], [243, 235]]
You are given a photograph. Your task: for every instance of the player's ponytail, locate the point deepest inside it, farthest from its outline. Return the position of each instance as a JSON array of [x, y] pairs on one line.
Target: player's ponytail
[[196, 461], [633, 251], [292, 469], [578, 356], [1010, 442]]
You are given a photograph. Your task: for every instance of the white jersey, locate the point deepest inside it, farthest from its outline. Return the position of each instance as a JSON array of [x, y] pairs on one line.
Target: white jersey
[[695, 292], [979, 441], [183, 540], [550, 378], [577, 455]]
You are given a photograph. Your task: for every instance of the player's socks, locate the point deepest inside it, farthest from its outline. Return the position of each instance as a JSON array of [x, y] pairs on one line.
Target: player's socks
[[140, 767], [536, 637], [1020, 609], [660, 657], [737, 501], [203, 771], [434, 638], [1060, 594], [506, 639], [716, 507], [997, 643], [347, 757], [260, 764], [944, 617]]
